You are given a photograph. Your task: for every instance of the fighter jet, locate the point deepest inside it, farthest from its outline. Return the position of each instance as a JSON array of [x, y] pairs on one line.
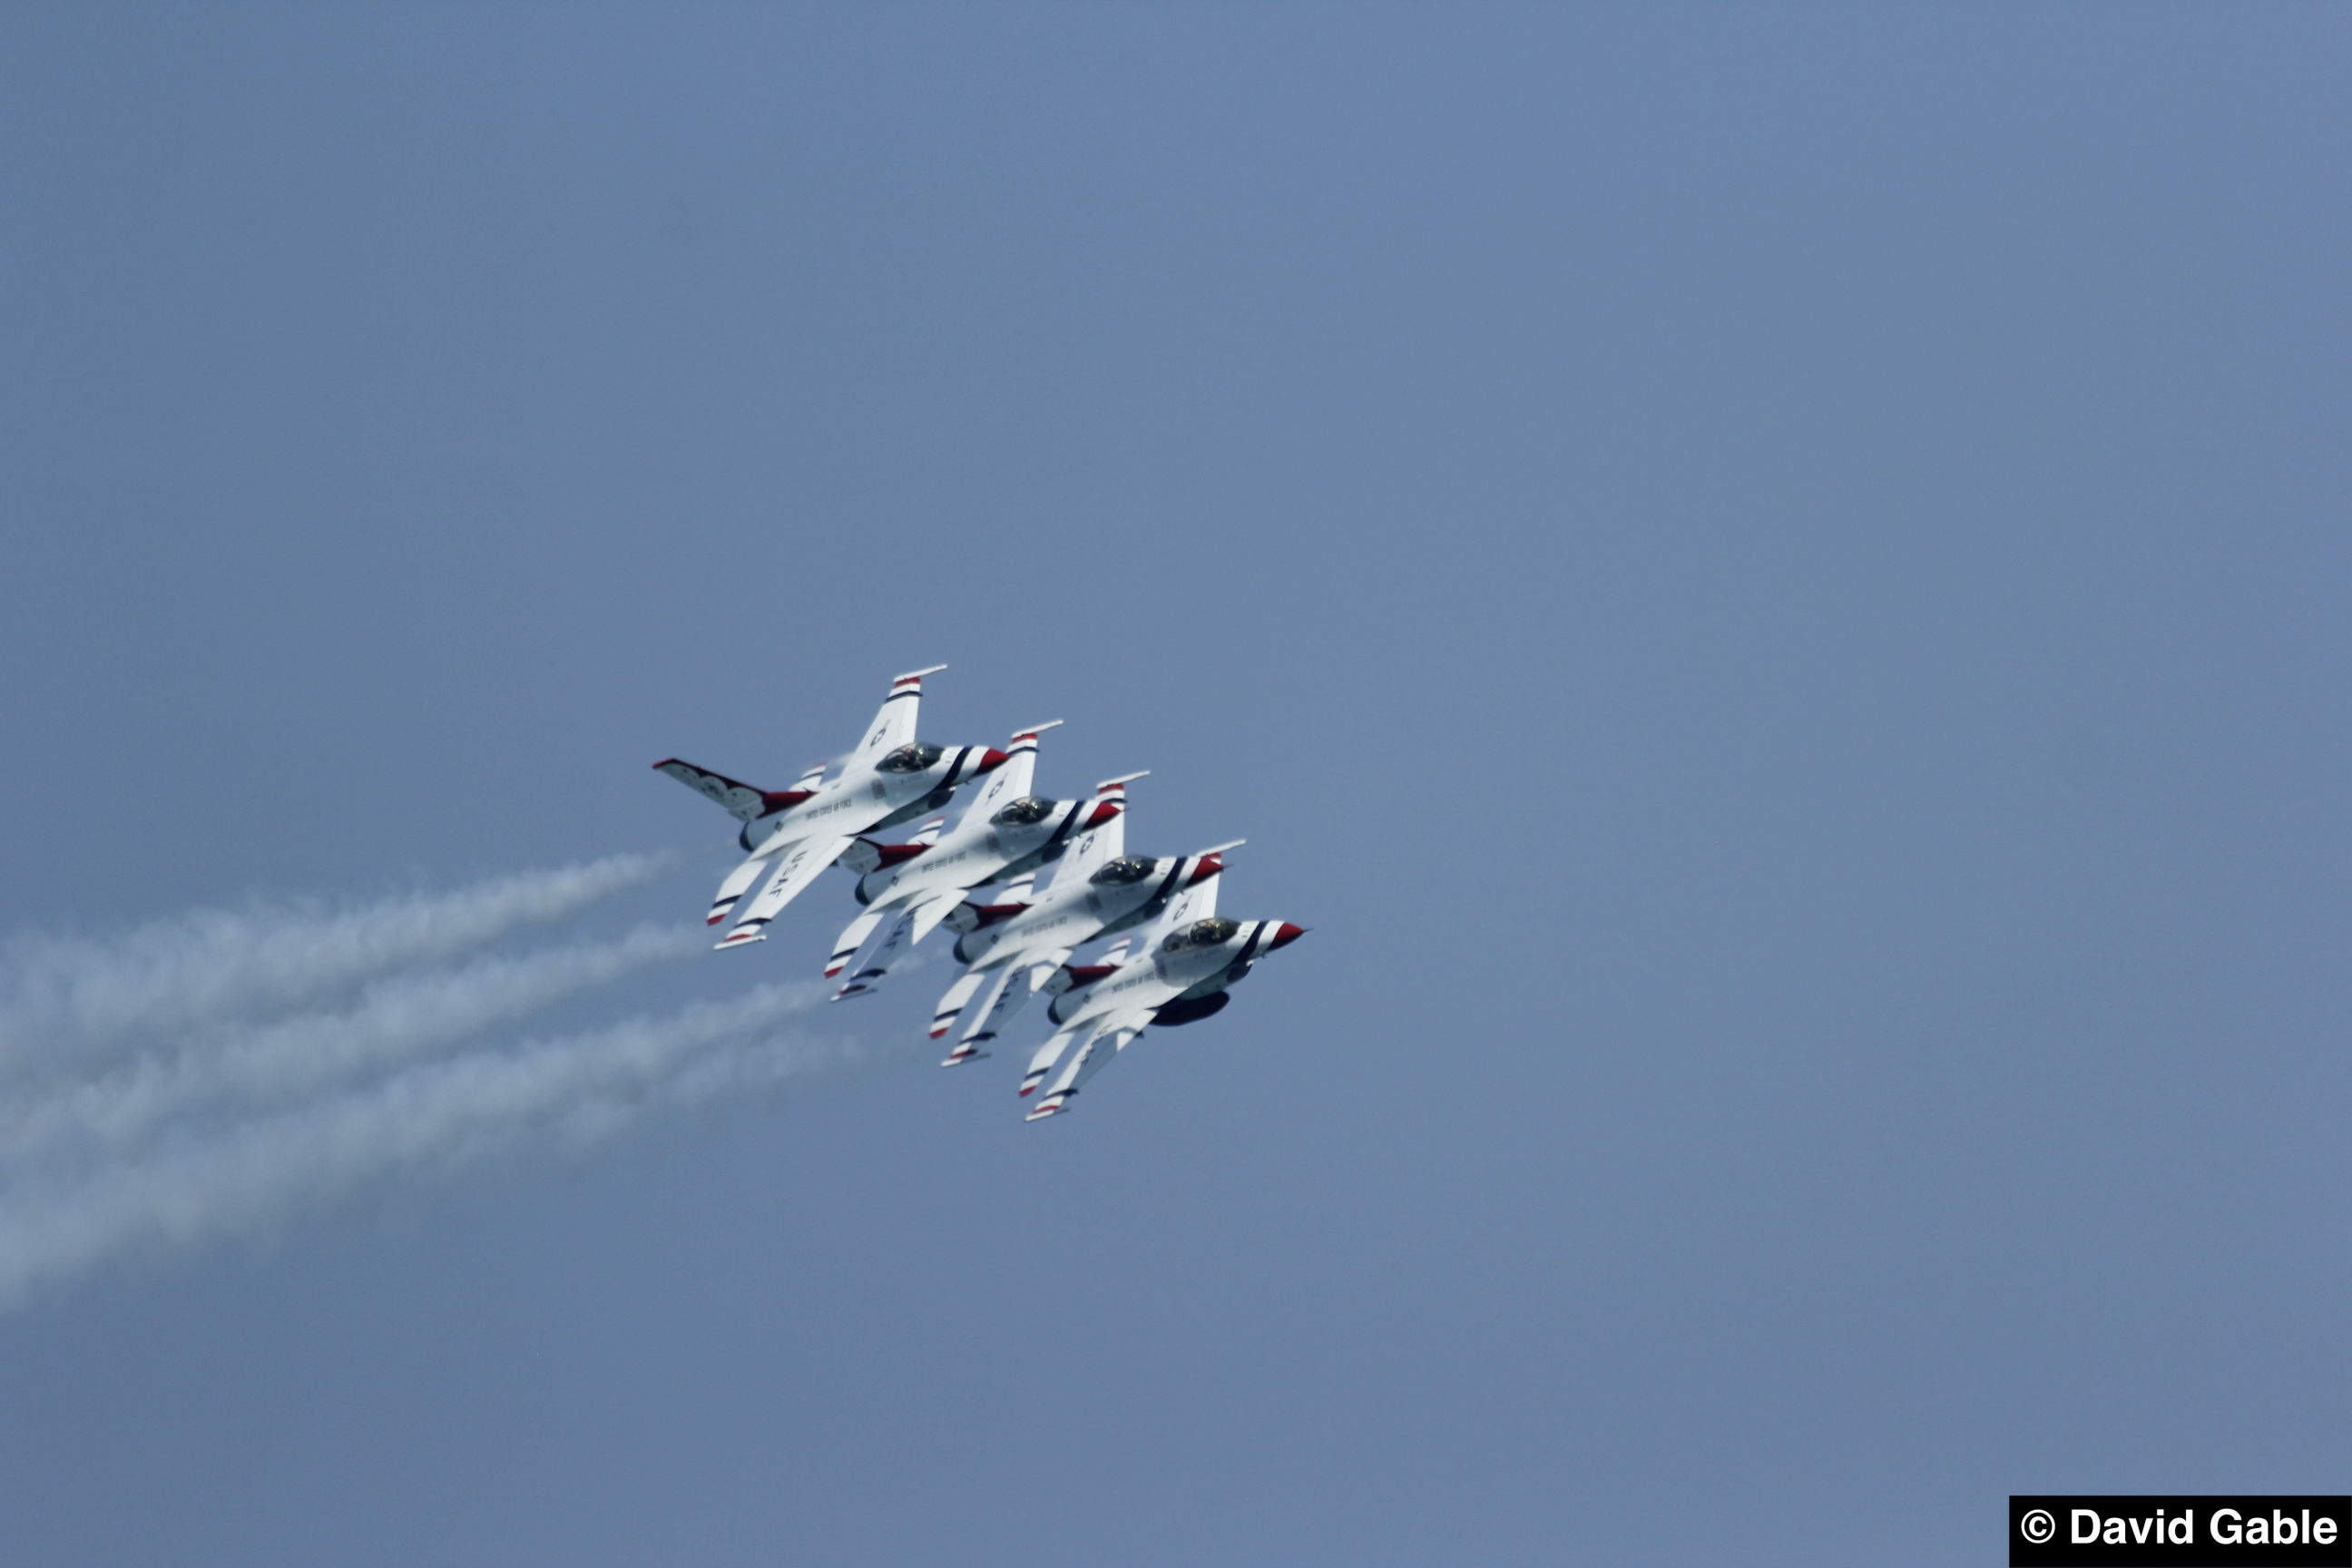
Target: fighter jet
[[1013, 946], [1179, 976], [1006, 833], [794, 834]]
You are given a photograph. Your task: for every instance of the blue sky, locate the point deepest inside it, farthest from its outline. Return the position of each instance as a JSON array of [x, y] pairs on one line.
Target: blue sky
[[1771, 585]]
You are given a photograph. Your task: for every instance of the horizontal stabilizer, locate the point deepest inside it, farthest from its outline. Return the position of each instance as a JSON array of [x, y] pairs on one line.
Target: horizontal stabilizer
[[967, 986]]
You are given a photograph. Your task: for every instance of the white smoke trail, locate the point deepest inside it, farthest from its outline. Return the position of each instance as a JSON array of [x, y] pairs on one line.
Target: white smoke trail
[[215, 1074], [248, 1179], [395, 1020], [66, 1004]]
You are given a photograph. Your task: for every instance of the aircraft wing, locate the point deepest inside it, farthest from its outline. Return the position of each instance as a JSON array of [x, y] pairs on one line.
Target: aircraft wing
[[986, 999], [853, 939], [1096, 1042], [959, 996], [738, 883], [1050, 1053], [796, 867], [874, 961], [893, 725], [742, 802]]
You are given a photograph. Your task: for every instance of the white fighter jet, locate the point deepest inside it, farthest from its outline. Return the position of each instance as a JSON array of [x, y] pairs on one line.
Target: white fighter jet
[[1179, 976], [1015, 947], [907, 890], [792, 834]]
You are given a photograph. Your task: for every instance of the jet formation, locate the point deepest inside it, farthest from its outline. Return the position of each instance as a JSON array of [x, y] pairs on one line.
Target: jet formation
[[1172, 957]]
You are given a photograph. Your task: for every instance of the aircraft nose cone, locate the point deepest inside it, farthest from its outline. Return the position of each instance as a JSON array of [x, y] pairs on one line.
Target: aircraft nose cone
[[990, 759], [1284, 934], [1103, 812]]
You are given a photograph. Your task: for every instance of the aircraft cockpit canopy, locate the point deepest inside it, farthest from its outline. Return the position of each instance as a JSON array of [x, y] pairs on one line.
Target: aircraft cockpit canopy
[[1024, 812], [1215, 932], [1126, 869], [914, 757]]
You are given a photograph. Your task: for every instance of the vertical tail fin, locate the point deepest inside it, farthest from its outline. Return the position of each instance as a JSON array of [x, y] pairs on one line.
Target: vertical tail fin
[[1011, 779], [1106, 843], [1194, 897]]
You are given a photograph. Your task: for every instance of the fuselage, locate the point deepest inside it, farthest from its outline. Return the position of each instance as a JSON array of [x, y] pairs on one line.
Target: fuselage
[[1120, 894], [897, 787], [1202, 958], [1021, 836]]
